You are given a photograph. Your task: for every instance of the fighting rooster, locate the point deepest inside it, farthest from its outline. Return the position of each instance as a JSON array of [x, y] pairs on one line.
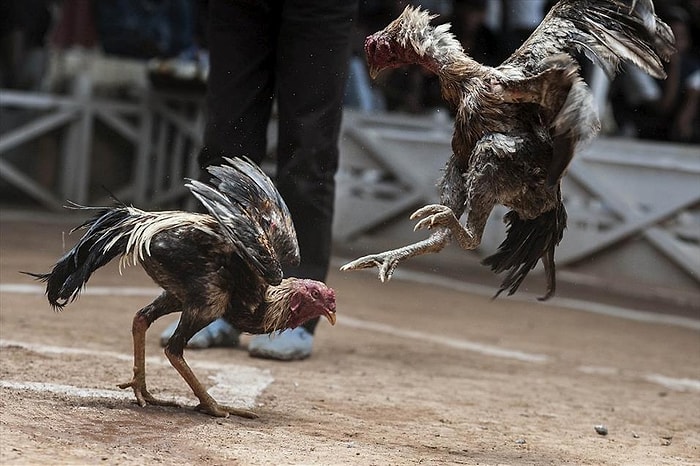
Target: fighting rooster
[[223, 264], [517, 126]]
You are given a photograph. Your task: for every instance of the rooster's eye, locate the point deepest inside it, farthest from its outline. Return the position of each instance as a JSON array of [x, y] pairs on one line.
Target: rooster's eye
[[315, 294]]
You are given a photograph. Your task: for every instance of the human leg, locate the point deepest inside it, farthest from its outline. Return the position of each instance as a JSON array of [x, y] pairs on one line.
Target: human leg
[[242, 40], [312, 61]]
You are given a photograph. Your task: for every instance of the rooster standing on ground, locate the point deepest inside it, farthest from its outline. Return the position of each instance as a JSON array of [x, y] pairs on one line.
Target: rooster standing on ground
[[517, 125], [223, 264]]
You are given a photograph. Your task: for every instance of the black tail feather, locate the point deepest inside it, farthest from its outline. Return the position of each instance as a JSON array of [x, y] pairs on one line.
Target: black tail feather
[[526, 242], [72, 271]]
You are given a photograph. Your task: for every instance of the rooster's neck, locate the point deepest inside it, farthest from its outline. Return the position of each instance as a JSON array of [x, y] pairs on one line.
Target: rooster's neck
[[443, 55], [277, 305]]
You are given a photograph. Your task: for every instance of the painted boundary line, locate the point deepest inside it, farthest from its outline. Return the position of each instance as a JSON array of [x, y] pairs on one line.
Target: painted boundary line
[[240, 385], [234, 384], [424, 279], [678, 384], [523, 296], [487, 350], [682, 384], [80, 392]]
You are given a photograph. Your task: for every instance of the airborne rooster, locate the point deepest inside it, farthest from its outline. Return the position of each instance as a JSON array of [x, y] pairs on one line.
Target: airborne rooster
[[223, 264], [517, 125]]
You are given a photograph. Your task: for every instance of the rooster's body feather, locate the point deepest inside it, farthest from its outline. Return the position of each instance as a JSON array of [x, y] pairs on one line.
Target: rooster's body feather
[[225, 264], [517, 125]]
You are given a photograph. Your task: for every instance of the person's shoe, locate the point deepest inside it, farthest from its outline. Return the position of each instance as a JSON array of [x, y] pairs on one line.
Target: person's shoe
[[288, 345], [217, 334]]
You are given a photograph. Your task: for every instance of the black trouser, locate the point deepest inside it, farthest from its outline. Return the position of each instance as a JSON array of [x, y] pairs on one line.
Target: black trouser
[[296, 51]]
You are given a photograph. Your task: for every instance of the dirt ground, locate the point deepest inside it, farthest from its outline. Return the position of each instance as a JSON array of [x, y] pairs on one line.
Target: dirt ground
[[413, 373]]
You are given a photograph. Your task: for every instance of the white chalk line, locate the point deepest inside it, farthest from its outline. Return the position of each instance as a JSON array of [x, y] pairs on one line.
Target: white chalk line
[[461, 344], [682, 384], [234, 384], [671, 383], [425, 279], [454, 343], [81, 392], [487, 350], [523, 296]]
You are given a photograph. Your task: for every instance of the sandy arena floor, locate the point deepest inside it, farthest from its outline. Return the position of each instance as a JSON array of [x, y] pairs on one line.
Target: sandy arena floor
[[413, 373]]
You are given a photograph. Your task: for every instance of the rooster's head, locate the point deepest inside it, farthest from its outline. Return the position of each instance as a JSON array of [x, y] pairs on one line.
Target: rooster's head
[[295, 301], [410, 39]]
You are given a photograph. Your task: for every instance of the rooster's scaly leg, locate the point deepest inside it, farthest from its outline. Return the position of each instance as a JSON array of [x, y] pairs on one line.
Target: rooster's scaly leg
[[190, 323], [143, 319], [207, 403], [387, 261]]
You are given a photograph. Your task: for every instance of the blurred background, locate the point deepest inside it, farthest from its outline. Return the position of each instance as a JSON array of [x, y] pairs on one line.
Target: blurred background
[[108, 97]]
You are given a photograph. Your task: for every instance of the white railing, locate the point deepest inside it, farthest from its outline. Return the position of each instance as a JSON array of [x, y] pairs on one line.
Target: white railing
[[162, 129], [634, 206]]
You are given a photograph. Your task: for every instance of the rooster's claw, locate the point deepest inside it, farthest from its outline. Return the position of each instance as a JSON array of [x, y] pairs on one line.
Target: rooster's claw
[[218, 410], [385, 262], [434, 215], [143, 396]]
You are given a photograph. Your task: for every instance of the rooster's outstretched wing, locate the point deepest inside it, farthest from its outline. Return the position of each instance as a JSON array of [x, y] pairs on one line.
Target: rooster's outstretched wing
[[606, 31], [252, 215], [544, 71]]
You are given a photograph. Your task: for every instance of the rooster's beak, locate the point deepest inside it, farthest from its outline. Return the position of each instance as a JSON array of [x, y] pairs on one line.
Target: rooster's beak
[[330, 315], [371, 44]]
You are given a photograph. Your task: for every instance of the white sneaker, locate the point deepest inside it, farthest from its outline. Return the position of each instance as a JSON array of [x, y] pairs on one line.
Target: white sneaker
[[217, 334], [288, 345]]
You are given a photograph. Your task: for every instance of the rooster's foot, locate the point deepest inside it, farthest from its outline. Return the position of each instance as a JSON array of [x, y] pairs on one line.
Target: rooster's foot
[[386, 262], [143, 396], [217, 410], [438, 215], [435, 215]]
